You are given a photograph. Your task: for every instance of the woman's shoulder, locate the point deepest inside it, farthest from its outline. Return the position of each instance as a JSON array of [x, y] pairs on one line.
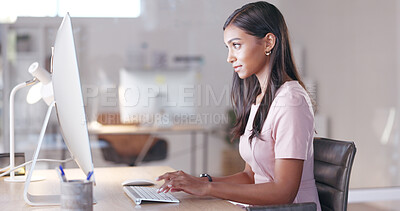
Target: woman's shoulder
[[291, 93]]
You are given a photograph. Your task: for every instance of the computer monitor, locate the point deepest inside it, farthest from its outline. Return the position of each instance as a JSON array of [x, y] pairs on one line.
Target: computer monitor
[[68, 97], [68, 101], [157, 98]]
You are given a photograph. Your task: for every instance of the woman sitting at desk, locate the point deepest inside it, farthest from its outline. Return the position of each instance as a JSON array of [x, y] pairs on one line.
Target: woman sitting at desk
[[275, 119]]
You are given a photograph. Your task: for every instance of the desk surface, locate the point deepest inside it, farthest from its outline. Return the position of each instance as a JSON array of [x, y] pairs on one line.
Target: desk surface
[[108, 191], [132, 129]]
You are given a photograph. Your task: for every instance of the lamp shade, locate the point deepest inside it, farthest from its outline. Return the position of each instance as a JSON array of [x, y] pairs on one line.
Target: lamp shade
[[43, 89], [34, 93], [38, 72]]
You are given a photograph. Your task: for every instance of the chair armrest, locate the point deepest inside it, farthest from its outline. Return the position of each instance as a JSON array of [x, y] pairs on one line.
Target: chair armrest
[[309, 206]]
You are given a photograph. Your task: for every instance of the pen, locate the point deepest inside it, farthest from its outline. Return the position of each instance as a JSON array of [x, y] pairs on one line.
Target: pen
[[89, 175], [59, 174], [63, 177]]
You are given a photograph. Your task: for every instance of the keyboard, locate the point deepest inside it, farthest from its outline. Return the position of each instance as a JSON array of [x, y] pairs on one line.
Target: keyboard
[[140, 193]]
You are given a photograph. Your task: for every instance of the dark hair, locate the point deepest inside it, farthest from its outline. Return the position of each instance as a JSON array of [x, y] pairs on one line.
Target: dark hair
[[258, 19]]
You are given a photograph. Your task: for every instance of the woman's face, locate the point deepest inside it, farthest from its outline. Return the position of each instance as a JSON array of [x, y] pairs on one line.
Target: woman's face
[[246, 52]]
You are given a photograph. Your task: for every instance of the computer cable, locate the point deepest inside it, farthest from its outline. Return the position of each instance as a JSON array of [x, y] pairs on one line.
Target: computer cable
[[26, 163]]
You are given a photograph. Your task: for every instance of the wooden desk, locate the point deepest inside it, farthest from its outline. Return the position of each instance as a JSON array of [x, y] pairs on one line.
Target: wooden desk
[[108, 191], [97, 129]]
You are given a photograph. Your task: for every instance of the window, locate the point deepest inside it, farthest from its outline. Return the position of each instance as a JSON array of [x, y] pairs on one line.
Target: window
[[100, 8], [76, 8]]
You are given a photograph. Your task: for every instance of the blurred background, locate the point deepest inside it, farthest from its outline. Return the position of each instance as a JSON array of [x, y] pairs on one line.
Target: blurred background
[[347, 52]]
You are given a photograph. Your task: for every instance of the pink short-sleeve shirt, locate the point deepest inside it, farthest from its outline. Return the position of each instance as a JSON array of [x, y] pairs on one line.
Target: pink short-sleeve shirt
[[287, 132]]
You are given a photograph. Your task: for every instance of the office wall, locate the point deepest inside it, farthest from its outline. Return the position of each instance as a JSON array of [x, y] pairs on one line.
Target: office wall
[[351, 49]]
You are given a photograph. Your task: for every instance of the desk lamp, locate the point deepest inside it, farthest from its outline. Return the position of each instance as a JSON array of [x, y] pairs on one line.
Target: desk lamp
[[40, 77]]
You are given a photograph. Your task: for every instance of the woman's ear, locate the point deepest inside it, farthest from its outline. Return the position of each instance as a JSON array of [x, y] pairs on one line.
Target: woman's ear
[[270, 40]]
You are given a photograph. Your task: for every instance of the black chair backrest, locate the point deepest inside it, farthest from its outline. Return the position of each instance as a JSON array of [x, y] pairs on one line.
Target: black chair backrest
[[309, 206], [332, 166]]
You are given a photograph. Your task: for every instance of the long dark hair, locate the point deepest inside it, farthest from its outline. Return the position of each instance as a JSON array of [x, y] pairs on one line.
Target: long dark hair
[[258, 19]]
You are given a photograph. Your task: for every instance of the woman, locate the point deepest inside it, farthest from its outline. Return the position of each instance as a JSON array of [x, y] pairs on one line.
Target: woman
[[275, 120]]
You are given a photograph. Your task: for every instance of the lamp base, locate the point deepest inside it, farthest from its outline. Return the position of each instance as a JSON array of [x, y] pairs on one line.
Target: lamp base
[[23, 179]]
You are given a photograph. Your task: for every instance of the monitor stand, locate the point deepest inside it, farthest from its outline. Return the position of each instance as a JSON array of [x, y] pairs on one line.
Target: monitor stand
[[40, 200]]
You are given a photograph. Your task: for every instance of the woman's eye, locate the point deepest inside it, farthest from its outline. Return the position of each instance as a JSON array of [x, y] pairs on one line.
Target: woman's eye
[[236, 45]]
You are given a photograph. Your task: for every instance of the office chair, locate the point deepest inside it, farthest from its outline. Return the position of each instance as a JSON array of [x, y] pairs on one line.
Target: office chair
[[333, 160], [125, 148]]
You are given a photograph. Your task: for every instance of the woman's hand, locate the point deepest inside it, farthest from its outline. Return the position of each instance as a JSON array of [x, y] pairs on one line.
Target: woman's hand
[[180, 181]]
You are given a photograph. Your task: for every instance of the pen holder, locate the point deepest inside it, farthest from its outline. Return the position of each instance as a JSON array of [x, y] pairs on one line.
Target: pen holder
[[77, 195]]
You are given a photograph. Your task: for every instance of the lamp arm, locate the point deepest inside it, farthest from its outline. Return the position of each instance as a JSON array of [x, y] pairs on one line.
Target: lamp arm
[[12, 146], [31, 82]]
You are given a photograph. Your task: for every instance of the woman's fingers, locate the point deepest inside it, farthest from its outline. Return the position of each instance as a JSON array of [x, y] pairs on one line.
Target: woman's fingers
[[169, 185], [171, 181], [176, 189], [165, 176], [170, 175], [164, 188], [189, 185], [178, 183]]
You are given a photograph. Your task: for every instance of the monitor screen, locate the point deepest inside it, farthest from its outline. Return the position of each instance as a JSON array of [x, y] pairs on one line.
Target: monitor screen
[[68, 97], [157, 98]]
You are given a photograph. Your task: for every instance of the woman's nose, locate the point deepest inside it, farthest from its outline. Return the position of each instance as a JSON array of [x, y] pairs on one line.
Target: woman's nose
[[230, 58]]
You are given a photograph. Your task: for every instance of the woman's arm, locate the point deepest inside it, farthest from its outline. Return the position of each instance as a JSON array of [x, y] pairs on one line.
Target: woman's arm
[[280, 191], [244, 177]]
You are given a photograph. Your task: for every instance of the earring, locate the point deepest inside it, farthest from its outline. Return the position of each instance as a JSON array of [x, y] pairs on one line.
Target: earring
[[268, 53]]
